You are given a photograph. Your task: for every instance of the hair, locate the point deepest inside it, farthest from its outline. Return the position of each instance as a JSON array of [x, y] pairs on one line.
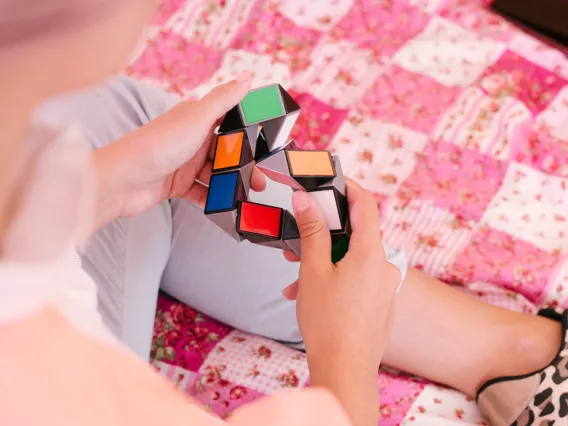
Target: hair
[[23, 21]]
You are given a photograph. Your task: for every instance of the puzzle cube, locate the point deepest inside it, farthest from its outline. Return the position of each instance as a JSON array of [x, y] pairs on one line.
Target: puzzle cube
[[268, 226], [269, 106], [257, 129]]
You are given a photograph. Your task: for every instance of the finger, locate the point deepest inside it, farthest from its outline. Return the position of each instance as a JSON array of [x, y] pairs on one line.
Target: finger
[[291, 256], [315, 239], [213, 139], [291, 292], [364, 216], [204, 176], [257, 180], [224, 97], [197, 195]]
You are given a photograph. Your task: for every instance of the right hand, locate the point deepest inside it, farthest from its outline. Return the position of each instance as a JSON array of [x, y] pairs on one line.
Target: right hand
[[343, 309]]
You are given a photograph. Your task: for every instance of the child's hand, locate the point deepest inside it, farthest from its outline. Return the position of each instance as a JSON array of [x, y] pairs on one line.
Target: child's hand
[[169, 157], [344, 309]]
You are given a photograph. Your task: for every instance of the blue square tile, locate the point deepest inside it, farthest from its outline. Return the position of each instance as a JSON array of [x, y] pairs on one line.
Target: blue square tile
[[222, 191]]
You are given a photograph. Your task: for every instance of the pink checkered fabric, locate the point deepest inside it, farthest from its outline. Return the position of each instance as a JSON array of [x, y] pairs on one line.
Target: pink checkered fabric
[[455, 119]]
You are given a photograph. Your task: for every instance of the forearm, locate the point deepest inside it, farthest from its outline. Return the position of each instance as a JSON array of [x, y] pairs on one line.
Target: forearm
[[353, 383], [110, 185]]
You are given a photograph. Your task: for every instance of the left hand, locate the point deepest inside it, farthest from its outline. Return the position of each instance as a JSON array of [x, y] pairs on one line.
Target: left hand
[[169, 157]]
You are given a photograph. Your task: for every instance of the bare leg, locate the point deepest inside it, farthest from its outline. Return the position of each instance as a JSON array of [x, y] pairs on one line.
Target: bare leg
[[452, 338]]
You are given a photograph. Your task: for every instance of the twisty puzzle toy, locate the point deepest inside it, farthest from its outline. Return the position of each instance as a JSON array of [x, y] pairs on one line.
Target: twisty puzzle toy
[[257, 130]]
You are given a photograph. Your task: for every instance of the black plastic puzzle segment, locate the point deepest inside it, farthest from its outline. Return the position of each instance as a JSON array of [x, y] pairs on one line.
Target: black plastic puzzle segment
[[252, 136], [261, 148], [245, 175], [289, 103], [232, 121], [290, 229], [271, 130], [294, 246], [338, 182], [227, 222]]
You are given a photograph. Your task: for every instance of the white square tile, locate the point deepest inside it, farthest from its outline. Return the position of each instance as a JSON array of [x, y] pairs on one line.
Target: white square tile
[[328, 206], [428, 234], [257, 363], [339, 73], [480, 122], [320, 15], [531, 206], [380, 156], [448, 53]]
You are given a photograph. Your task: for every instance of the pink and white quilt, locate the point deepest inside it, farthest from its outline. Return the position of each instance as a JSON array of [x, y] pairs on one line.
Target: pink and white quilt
[[456, 120]]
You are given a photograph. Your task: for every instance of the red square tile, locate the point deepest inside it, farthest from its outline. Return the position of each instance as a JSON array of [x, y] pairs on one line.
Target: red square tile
[[269, 32], [380, 26], [513, 75], [460, 180], [183, 64], [317, 123], [413, 100], [501, 259]]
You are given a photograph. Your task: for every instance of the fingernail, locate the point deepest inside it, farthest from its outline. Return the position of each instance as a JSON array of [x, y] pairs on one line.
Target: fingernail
[[300, 201], [244, 77]]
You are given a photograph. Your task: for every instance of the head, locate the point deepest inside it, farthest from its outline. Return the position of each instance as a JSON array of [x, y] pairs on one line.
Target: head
[[48, 47]]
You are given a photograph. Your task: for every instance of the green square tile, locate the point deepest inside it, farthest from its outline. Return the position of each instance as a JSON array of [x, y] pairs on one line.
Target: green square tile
[[262, 104], [339, 250]]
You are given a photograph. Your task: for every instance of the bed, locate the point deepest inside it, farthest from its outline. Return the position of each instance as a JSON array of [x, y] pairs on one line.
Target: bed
[[453, 118]]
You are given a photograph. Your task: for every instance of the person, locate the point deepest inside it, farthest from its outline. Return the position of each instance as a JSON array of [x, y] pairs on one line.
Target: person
[[438, 332], [494, 352], [61, 365]]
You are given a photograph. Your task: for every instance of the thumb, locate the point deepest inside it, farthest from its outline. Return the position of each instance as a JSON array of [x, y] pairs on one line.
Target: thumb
[[315, 239], [224, 97]]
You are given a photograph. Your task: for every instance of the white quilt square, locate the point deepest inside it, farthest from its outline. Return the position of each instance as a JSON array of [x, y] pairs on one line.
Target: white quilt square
[[209, 23], [380, 156], [557, 289], [437, 406], [431, 237], [320, 15], [257, 363], [555, 116], [531, 206], [448, 53], [480, 122], [264, 71], [339, 73]]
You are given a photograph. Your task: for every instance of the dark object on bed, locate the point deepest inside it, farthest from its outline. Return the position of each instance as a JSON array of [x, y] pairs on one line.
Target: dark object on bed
[[547, 18]]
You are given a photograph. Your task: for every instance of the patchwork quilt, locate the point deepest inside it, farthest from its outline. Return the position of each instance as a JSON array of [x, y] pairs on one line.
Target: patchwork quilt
[[453, 118]]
